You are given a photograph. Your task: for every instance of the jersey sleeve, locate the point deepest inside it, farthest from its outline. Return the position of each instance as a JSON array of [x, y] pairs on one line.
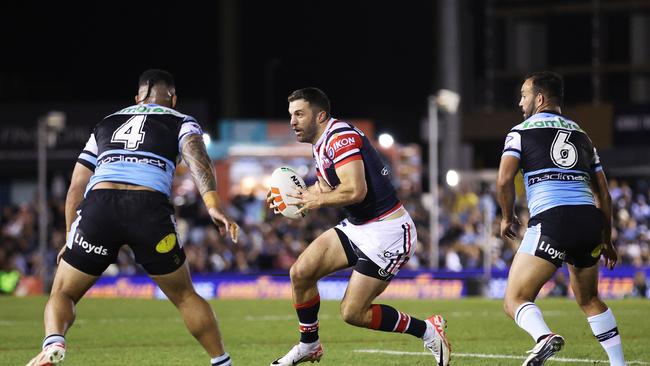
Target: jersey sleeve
[[88, 156], [512, 146], [344, 147], [595, 162], [189, 126]]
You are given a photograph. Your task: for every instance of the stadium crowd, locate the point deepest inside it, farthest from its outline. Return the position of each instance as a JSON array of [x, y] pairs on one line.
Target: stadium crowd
[[272, 242]]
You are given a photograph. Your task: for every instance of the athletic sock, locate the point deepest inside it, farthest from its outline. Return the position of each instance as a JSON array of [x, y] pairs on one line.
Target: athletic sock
[[223, 360], [604, 328], [53, 338], [529, 318], [308, 319], [388, 319]]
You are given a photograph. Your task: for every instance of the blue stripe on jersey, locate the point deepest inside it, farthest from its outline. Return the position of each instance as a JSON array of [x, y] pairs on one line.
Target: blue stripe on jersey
[[514, 153], [89, 158], [134, 167], [548, 188]]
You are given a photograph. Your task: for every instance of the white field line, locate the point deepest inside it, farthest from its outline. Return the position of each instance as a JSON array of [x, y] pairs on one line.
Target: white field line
[[504, 357]]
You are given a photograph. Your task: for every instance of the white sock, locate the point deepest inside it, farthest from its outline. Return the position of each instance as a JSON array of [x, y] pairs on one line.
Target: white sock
[[223, 360], [53, 338], [604, 328], [529, 318], [309, 346]]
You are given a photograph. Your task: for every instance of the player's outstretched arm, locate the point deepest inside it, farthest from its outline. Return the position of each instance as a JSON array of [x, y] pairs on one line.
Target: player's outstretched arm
[[506, 195], [196, 157], [604, 202], [80, 178]]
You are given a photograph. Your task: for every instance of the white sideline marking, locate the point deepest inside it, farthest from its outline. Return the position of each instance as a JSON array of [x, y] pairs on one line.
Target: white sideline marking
[[481, 355]]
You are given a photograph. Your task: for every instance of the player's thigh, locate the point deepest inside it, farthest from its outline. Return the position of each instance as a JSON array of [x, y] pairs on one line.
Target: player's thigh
[[71, 281], [175, 285], [362, 290], [584, 282], [322, 257], [528, 274]]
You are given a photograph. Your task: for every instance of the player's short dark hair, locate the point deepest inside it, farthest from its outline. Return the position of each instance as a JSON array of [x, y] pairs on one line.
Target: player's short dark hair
[[314, 96], [153, 77], [550, 84]]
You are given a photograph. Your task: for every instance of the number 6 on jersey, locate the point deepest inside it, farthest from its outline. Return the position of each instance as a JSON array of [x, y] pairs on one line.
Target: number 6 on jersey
[[563, 153], [130, 133]]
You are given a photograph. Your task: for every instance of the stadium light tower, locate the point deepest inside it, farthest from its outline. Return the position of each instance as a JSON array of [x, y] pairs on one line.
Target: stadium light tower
[[48, 126], [447, 101]]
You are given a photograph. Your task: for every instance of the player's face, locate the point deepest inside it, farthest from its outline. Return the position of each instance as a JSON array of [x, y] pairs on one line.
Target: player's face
[[528, 98], [304, 120]]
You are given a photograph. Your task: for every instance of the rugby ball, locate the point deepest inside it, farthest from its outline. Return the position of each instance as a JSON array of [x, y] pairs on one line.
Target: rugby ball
[[285, 180]]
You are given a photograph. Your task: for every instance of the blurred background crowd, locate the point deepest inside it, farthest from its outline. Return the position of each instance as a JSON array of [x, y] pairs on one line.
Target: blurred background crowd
[[273, 242]]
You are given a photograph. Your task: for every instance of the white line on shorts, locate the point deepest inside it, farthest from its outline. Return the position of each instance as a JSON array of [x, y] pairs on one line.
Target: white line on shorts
[[481, 355]]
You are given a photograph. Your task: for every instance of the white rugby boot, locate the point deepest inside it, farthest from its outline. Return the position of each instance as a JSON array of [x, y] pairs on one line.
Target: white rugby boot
[[435, 340], [544, 350], [300, 353], [52, 354]]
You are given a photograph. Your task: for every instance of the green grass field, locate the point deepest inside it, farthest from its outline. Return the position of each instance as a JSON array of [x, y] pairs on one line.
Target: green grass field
[[150, 332]]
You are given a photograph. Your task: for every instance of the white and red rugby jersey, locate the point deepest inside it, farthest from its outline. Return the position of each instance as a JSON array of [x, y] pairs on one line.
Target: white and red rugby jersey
[[342, 143]]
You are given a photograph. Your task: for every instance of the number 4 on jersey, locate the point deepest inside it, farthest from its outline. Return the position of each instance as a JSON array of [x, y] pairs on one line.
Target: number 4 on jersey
[[130, 133]]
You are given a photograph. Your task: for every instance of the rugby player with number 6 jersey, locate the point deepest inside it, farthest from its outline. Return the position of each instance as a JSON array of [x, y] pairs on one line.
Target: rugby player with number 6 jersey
[[570, 217], [376, 239], [119, 194]]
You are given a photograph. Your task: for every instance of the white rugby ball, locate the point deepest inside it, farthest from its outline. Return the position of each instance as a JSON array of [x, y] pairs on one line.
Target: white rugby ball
[[285, 180]]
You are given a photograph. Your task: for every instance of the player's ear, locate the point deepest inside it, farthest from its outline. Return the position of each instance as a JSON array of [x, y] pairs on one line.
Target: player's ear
[[174, 101], [136, 99], [322, 116]]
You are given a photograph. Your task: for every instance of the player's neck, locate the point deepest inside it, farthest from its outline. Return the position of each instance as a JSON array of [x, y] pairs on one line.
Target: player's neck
[[548, 108]]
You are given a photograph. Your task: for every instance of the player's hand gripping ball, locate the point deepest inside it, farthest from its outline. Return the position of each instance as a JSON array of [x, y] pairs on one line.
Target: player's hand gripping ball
[[284, 181]]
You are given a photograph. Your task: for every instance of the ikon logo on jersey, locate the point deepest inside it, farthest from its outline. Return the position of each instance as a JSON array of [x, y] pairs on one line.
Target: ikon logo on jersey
[[87, 247], [346, 143]]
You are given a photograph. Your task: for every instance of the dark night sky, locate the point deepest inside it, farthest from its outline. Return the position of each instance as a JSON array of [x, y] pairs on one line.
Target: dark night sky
[[375, 60]]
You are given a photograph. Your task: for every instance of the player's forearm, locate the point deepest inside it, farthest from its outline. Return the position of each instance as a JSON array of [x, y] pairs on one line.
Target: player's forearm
[[342, 196], [605, 206], [72, 202], [506, 198], [196, 157]]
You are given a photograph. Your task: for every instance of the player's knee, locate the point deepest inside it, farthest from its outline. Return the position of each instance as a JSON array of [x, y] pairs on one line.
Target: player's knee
[[351, 314], [300, 273]]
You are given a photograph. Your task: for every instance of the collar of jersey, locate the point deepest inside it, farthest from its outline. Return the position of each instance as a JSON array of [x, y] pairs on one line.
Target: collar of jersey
[[322, 136]]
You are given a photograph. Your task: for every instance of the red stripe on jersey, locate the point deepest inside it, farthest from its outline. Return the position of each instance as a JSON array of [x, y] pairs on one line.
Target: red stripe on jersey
[[375, 321], [342, 143], [308, 304], [403, 322], [347, 160]]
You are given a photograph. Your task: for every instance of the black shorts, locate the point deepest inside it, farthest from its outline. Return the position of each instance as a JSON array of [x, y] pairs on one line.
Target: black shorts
[[361, 262], [110, 218], [569, 234]]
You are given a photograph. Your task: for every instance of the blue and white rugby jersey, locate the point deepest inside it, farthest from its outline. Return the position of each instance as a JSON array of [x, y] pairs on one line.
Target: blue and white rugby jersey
[[557, 159], [138, 145]]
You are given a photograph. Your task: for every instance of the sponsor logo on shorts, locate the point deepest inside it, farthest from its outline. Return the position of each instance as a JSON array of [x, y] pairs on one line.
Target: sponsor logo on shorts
[[382, 272], [597, 250], [88, 247], [552, 252], [166, 244]]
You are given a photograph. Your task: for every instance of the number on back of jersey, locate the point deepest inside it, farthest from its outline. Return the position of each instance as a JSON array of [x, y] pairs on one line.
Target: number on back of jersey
[[130, 133], [563, 153]]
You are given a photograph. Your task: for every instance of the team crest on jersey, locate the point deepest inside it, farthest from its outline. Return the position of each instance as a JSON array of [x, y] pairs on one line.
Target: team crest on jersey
[[327, 163], [330, 153]]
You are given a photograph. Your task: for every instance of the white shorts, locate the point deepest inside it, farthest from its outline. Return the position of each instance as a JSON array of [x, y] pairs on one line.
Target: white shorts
[[388, 243]]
